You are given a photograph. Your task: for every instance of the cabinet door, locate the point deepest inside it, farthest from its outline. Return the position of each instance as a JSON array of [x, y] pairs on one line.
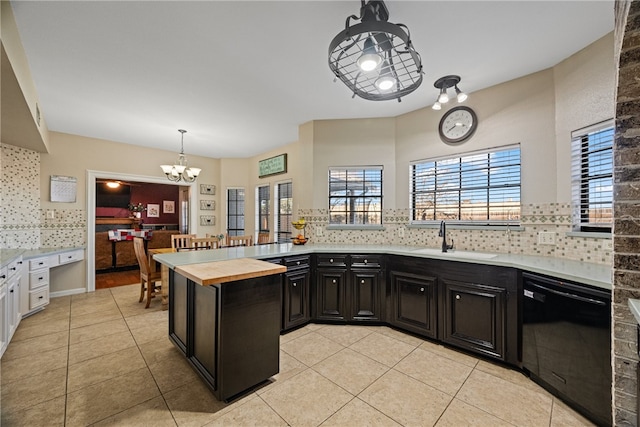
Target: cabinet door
[[414, 303], [178, 300], [474, 317], [365, 294], [296, 298], [331, 296]]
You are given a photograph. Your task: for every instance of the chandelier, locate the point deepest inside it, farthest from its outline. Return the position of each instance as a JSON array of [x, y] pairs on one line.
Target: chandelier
[[375, 58], [444, 83], [180, 170]]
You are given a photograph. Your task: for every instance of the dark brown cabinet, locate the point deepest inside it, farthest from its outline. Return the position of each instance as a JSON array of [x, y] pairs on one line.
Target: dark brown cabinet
[[348, 288], [228, 332], [296, 286], [414, 303], [479, 309], [475, 316]]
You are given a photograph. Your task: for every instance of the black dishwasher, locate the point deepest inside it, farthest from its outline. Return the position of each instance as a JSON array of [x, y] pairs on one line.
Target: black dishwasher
[[566, 343]]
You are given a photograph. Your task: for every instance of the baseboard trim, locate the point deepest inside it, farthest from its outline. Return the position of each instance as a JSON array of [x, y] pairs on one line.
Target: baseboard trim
[[67, 292]]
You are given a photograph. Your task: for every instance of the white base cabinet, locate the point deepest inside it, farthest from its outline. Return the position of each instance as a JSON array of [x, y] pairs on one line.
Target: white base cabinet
[[10, 306]]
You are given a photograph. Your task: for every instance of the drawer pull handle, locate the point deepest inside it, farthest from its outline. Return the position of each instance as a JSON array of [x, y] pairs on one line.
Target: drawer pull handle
[[295, 284], [19, 262], [331, 260], [69, 257], [13, 268], [365, 261], [333, 281], [11, 291], [40, 278], [421, 289], [3, 277], [457, 296], [41, 263], [298, 263], [40, 297], [362, 281]]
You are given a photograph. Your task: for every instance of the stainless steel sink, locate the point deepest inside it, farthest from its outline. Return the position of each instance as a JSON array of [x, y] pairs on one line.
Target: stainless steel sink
[[455, 254]]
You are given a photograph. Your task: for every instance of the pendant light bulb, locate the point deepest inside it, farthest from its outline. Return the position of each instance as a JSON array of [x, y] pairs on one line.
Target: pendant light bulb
[[437, 106], [460, 95], [386, 81], [370, 60], [443, 98]]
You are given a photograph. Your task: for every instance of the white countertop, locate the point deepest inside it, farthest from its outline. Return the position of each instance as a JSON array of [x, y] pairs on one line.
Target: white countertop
[[8, 255], [597, 275]]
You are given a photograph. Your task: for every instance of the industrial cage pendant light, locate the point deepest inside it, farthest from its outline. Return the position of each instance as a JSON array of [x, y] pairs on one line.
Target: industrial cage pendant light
[[180, 170], [375, 58]]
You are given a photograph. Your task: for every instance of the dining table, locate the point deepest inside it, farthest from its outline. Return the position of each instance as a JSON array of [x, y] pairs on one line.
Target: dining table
[[164, 272]]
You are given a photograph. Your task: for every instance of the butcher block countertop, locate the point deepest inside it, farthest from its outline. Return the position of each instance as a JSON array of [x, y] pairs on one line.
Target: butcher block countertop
[[211, 273]]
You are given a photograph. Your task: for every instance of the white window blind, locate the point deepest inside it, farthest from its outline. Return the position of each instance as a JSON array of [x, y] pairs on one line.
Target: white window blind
[[481, 187], [592, 177], [355, 195]]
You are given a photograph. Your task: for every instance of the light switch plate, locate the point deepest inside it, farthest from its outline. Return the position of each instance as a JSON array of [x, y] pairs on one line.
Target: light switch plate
[[318, 231], [51, 214]]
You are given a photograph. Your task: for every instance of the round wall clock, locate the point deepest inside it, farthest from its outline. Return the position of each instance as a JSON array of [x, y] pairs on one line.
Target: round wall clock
[[457, 125]]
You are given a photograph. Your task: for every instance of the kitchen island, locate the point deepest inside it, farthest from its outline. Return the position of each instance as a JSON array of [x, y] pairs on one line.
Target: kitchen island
[[225, 319]]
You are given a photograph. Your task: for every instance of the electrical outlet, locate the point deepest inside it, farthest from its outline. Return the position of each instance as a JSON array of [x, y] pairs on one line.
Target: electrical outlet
[[319, 232], [546, 238], [401, 232], [51, 214]]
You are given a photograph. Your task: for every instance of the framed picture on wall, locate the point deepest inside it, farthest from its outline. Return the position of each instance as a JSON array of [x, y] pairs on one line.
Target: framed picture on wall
[[153, 211], [168, 206]]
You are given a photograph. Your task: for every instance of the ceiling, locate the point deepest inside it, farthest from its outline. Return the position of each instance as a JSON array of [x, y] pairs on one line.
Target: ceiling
[[241, 76]]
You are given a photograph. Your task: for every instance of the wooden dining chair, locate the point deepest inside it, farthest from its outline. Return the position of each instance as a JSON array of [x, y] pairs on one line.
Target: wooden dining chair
[[148, 278], [263, 238], [239, 240], [199, 243], [181, 241]]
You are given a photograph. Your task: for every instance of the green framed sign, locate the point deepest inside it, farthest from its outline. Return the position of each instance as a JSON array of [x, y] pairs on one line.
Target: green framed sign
[[272, 166]]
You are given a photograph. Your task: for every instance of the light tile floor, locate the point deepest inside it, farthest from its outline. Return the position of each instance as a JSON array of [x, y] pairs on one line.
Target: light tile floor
[[102, 359]]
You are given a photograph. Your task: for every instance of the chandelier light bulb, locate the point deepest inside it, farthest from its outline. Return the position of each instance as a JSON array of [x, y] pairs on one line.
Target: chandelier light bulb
[[437, 106]]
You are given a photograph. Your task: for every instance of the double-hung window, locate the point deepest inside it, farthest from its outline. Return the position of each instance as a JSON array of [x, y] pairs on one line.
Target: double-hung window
[[477, 188], [284, 212], [592, 177], [235, 211], [355, 195]]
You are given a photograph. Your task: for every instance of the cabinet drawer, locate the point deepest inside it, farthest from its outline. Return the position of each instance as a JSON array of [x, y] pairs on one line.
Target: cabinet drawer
[[362, 261], [14, 267], [38, 263], [38, 298], [72, 256], [331, 260], [38, 278], [297, 262]]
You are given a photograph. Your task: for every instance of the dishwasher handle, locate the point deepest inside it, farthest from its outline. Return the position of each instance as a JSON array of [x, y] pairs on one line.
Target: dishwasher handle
[[568, 295]]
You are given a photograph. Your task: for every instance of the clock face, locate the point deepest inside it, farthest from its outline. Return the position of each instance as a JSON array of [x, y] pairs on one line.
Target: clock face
[[457, 125]]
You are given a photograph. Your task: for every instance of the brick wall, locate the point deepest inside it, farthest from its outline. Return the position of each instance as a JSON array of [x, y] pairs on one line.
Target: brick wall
[[626, 233]]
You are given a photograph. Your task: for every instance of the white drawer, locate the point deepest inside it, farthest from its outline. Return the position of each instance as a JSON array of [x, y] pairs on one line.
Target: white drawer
[[38, 263], [38, 298], [71, 256], [38, 278], [14, 267]]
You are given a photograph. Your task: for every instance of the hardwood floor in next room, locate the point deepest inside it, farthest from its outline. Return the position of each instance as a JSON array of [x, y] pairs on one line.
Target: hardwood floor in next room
[[117, 278]]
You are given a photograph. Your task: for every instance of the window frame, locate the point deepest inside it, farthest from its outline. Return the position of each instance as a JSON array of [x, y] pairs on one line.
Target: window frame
[[352, 215], [282, 234], [229, 215], [259, 214], [414, 194], [581, 178]]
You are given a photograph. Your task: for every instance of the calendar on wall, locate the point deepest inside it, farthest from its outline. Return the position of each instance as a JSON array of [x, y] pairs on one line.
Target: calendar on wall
[[63, 188]]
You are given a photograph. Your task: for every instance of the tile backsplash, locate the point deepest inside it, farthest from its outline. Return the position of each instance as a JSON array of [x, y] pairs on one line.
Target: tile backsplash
[[550, 218]]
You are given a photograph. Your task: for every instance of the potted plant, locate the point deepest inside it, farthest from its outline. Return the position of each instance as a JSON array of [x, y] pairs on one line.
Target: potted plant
[[136, 210]]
